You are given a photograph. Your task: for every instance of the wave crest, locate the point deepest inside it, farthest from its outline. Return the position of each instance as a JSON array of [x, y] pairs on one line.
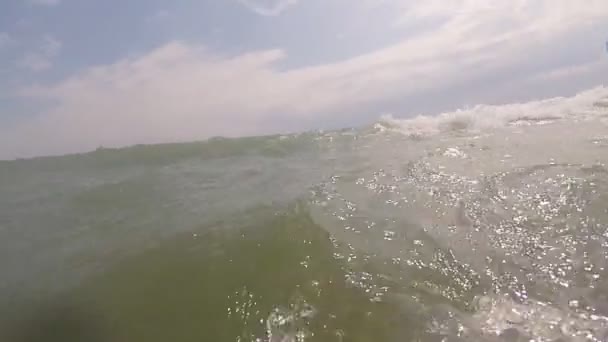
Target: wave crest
[[589, 104]]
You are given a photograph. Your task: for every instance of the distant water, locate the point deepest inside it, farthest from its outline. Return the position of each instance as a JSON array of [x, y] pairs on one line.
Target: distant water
[[484, 224]]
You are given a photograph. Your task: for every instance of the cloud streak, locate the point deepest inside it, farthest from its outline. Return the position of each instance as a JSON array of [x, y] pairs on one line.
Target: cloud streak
[[585, 69], [5, 39], [44, 2], [268, 7], [158, 16], [182, 91], [42, 58]]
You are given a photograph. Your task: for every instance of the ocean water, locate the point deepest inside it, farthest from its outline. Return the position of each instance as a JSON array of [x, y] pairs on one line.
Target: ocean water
[[484, 224]]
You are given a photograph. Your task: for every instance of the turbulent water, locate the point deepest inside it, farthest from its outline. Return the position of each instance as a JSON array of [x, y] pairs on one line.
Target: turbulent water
[[485, 224]]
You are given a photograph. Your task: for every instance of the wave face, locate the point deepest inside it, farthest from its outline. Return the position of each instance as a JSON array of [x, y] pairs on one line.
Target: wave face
[[484, 224]]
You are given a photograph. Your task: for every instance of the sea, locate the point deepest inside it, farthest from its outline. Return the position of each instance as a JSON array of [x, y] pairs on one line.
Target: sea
[[489, 223]]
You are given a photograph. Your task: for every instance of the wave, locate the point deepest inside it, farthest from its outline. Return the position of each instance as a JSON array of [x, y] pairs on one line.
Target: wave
[[585, 105], [169, 153]]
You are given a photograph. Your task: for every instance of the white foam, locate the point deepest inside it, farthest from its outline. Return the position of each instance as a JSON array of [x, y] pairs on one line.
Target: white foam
[[585, 105], [543, 321], [454, 152], [289, 324]]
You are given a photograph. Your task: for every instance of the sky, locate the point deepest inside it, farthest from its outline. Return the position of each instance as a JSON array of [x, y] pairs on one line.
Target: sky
[[79, 74]]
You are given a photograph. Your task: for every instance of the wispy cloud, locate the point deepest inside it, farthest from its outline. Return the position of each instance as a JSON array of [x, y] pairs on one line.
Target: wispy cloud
[[42, 58], [564, 73], [5, 39], [44, 2], [34, 62], [268, 7], [158, 16]]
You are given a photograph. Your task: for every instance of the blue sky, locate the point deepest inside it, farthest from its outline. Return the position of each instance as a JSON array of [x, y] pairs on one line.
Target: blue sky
[[77, 74]]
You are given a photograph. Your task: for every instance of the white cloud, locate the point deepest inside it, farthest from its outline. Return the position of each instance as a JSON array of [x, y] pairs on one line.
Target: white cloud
[[51, 46], [572, 71], [35, 62], [42, 58], [268, 7], [5, 39], [158, 16], [44, 2], [184, 92]]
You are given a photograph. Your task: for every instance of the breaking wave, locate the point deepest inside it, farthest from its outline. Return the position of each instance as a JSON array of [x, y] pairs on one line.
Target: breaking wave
[[586, 105]]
